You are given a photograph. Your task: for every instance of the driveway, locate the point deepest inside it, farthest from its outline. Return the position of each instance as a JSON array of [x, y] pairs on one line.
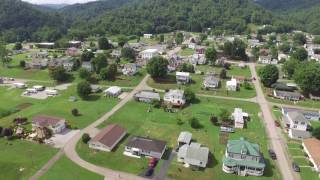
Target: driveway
[[276, 140], [60, 140]]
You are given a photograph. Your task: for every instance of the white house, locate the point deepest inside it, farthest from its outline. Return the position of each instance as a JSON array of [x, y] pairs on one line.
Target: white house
[[198, 59], [20, 85], [51, 92], [147, 96], [267, 60], [297, 125], [55, 124], [149, 53], [311, 147], [211, 82], [147, 36], [239, 118], [130, 69], [193, 155], [175, 97], [107, 138], [183, 77], [232, 85], [282, 56], [113, 91]]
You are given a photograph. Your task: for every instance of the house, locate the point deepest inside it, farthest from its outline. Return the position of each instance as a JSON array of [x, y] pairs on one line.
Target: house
[[211, 82], [107, 138], [54, 63], [72, 52], [147, 36], [41, 54], [37, 64], [95, 88], [141, 146], [239, 118], [113, 91], [19, 85], [67, 63], [149, 53], [292, 96], [184, 138], [51, 92], [282, 56], [254, 43], [297, 125], [308, 114], [116, 53], [147, 96], [232, 85], [193, 155], [175, 97], [183, 77], [314, 96], [75, 44], [198, 59], [87, 65], [55, 124], [311, 147], [267, 60], [201, 49], [243, 158], [130, 69], [46, 45]]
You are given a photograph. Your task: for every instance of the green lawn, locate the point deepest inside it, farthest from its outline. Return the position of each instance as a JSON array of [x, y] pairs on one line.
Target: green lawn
[[59, 106], [126, 81], [17, 72], [233, 71], [187, 52], [22, 159], [161, 125], [65, 169], [196, 86]]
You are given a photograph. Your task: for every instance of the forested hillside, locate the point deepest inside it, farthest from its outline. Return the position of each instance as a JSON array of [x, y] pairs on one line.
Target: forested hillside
[[157, 16], [22, 21], [285, 5]]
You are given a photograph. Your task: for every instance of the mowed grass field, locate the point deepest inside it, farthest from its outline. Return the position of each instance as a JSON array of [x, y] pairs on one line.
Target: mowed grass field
[[197, 83], [59, 106], [65, 169], [163, 126], [19, 160]]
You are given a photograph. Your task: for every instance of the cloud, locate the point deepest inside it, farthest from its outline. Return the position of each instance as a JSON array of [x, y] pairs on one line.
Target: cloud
[[57, 1]]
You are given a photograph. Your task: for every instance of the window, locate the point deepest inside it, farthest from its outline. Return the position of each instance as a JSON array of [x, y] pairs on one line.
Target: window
[[303, 123], [296, 122], [295, 126]]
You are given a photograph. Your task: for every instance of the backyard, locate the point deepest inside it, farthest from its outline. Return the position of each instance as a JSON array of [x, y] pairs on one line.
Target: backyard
[[162, 125]]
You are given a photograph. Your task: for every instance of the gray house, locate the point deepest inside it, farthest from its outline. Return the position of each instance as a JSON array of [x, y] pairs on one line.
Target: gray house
[[141, 146], [147, 96], [87, 65], [193, 155], [292, 96], [184, 138], [308, 114], [211, 82]]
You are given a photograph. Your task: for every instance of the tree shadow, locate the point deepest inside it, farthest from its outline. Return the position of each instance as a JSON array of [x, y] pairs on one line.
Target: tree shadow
[[120, 143]]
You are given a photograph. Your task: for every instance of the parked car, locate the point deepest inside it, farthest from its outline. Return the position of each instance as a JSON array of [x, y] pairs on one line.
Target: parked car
[[153, 162], [149, 172], [272, 154], [277, 123], [295, 167]]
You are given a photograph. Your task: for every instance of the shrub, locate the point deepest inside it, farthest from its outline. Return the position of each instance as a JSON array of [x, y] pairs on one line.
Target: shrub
[[20, 120], [75, 112], [214, 120], [247, 86], [22, 63], [194, 123], [155, 103], [85, 138], [7, 132]]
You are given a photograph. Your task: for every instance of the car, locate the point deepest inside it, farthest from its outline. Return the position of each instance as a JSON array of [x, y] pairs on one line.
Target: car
[[149, 172], [153, 162], [295, 167], [272, 154]]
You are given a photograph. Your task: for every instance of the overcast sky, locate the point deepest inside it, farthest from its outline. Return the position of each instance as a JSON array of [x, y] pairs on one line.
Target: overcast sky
[[57, 1]]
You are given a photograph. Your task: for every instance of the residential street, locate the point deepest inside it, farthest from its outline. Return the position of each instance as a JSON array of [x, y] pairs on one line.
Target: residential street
[[277, 144]]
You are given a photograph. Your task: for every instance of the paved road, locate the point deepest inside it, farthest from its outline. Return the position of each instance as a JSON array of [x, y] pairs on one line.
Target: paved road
[[277, 143], [164, 168], [70, 148]]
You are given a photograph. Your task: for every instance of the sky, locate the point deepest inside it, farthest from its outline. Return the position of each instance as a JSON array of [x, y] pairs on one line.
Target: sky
[[57, 1]]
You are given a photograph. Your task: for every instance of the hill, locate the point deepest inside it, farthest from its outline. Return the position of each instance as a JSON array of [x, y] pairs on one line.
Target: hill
[[21, 21], [158, 16], [285, 5]]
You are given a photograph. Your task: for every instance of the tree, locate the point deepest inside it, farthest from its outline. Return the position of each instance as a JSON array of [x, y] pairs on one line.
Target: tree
[[274, 52], [161, 40], [194, 123], [4, 55], [190, 95], [84, 73], [103, 43], [211, 55], [157, 67], [17, 46], [187, 67], [224, 115], [59, 74], [223, 74], [307, 76], [7, 132], [109, 73], [122, 40], [285, 47], [128, 53], [300, 54], [84, 89], [316, 40], [99, 62], [203, 37], [86, 56], [235, 49], [269, 75], [289, 67], [75, 112], [85, 138], [22, 63], [179, 38], [299, 39]]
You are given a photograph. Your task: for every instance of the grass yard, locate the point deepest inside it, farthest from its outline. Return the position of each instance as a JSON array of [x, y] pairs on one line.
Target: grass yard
[[126, 81], [17, 72], [161, 125], [187, 52], [22, 159], [304, 103], [65, 169], [196, 86], [59, 106], [233, 71]]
